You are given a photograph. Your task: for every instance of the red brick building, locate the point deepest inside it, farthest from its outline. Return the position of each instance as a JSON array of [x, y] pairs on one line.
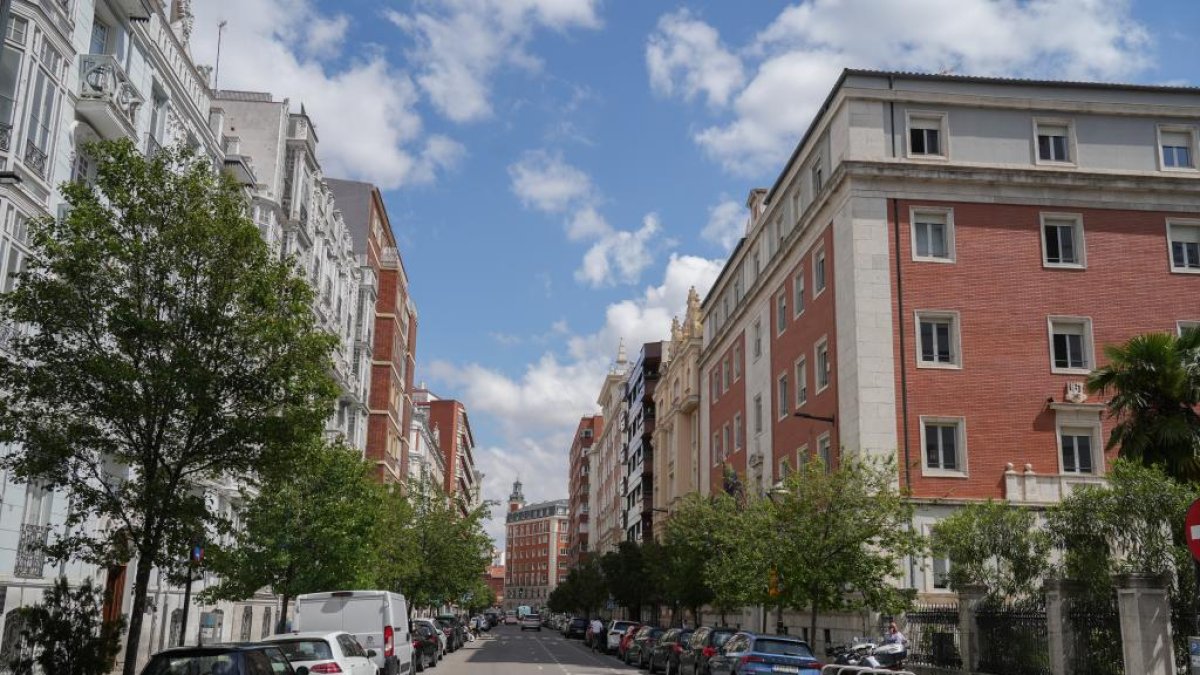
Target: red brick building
[[494, 577], [394, 340], [579, 484], [535, 554], [452, 429]]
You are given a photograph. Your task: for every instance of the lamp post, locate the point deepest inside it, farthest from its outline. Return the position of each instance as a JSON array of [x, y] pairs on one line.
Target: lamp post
[[195, 555]]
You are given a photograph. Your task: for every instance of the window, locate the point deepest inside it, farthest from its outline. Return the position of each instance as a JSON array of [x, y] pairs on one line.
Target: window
[[725, 375], [818, 178], [819, 271], [825, 450], [941, 573], [925, 135], [737, 431], [943, 441], [785, 468], [1070, 344], [781, 316], [1054, 141], [798, 292], [1076, 444], [737, 363], [823, 366], [938, 340], [1178, 147], [801, 381], [41, 119], [99, 42], [932, 235], [758, 414], [756, 335], [18, 28], [782, 400], [728, 438], [1184, 240], [1062, 240], [1185, 326], [10, 68]]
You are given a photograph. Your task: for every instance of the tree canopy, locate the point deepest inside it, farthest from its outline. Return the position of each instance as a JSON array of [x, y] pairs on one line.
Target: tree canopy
[[996, 545]]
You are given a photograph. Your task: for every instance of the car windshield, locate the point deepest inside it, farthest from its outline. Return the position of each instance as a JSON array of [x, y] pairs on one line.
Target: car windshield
[[532, 617], [192, 664], [621, 625], [782, 647], [720, 637], [445, 623], [305, 650]]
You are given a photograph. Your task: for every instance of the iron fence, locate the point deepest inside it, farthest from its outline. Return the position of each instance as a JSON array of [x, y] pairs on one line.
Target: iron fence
[[932, 632], [1094, 631], [1013, 639], [1185, 622]]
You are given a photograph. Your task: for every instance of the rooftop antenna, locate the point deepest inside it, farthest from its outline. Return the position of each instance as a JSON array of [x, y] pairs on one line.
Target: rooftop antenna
[[217, 76]]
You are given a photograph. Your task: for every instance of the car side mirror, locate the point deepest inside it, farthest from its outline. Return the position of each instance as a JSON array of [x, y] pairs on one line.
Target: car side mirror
[[371, 653], [302, 670]]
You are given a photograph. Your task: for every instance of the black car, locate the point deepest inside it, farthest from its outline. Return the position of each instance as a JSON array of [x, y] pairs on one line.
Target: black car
[[704, 644], [223, 659], [456, 632], [643, 645], [665, 655], [426, 646], [577, 627]]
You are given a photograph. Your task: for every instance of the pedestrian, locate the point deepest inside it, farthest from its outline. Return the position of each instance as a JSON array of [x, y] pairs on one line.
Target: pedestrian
[[597, 629]]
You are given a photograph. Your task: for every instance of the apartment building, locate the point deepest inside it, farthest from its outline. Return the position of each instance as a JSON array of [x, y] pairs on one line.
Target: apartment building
[[535, 557], [605, 497], [637, 450], [426, 463], [934, 273], [452, 431], [579, 487], [391, 336], [677, 429]]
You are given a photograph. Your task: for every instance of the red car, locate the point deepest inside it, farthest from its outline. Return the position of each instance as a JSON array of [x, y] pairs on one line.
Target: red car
[[626, 640]]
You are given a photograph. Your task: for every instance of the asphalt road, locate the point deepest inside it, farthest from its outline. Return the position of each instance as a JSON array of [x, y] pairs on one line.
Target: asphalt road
[[505, 650]]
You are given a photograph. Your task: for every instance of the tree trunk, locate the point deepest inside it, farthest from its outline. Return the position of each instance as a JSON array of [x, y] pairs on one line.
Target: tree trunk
[[140, 584], [812, 624], [282, 626]]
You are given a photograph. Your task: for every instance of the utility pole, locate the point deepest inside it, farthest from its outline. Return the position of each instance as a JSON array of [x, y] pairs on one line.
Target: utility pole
[[195, 555], [217, 74]]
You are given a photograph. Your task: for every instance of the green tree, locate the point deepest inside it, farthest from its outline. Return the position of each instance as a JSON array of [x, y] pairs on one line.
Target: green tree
[[692, 543], [310, 529], [737, 570], [995, 545], [584, 589], [627, 580], [840, 537], [1154, 380], [167, 346], [66, 634]]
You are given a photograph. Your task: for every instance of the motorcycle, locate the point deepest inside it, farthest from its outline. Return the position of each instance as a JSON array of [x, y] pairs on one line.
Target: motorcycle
[[855, 653]]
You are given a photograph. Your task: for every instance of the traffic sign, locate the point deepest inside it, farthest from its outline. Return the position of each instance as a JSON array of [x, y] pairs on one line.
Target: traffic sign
[[1191, 529]]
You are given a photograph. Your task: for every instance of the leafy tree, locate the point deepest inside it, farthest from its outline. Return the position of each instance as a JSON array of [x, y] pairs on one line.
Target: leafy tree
[[167, 346], [628, 582], [1154, 380], [583, 590], [737, 569], [307, 530], [996, 545], [690, 544], [66, 634], [841, 535]]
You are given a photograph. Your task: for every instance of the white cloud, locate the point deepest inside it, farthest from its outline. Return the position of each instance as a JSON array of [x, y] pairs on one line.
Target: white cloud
[[461, 43], [620, 256], [726, 224], [543, 181], [797, 58], [685, 56], [587, 223], [365, 110]]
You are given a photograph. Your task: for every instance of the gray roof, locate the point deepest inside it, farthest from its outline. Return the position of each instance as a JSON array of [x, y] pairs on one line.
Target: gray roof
[[353, 199], [249, 96]]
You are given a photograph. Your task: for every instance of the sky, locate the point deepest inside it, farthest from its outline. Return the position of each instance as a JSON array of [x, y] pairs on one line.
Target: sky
[[559, 173]]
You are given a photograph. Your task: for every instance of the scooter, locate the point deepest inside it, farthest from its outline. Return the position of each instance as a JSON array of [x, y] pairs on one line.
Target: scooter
[[890, 655], [855, 653]]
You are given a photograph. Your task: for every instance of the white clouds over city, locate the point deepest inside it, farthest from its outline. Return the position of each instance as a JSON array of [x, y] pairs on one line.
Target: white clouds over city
[[796, 59]]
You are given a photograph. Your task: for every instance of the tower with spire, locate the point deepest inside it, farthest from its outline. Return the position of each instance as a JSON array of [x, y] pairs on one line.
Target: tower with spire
[[517, 499]]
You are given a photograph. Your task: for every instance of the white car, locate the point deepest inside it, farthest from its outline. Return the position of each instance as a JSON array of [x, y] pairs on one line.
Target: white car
[[321, 652], [616, 630], [437, 630], [531, 621], [378, 620]]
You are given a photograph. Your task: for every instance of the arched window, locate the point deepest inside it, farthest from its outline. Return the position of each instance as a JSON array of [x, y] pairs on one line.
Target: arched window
[[266, 625], [247, 623], [13, 643]]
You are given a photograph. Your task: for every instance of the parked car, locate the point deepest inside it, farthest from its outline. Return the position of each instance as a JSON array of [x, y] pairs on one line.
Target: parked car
[[532, 622], [705, 642], [747, 653], [616, 630], [627, 639], [220, 658], [510, 618], [576, 628], [456, 636], [426, 646], [322, 652], [666, 651], [378, 620], [441, 635], [643, 643]]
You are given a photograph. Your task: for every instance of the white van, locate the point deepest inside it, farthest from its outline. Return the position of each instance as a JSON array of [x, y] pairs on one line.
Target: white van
[[377, 619]]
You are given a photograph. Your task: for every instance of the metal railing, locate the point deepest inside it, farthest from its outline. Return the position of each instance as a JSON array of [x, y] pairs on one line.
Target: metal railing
[[31, 551], [1013, 640], [102, 78], [1094, 629], [5, 136], [35, 159], [933, 635]]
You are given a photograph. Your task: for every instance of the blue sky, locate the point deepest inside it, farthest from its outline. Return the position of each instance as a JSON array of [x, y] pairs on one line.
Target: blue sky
[[559, 172]]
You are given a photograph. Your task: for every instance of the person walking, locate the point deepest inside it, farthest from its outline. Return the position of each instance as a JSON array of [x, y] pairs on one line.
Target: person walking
[[597, 629]]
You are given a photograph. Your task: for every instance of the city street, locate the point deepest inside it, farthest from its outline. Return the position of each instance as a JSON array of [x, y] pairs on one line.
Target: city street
[[506, 650]]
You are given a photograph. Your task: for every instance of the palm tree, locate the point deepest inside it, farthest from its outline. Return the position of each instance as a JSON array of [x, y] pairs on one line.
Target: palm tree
[[1155, 384]]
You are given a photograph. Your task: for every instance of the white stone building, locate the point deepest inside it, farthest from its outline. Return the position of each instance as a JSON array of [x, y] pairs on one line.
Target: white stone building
[[425, 459]]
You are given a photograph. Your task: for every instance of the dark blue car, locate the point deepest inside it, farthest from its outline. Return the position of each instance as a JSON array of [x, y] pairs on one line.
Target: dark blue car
[[747, 653]]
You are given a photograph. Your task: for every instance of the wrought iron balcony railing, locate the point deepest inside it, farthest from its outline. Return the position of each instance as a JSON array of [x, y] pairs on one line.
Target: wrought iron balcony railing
[[31, 551], [35, 159], [103, 79]]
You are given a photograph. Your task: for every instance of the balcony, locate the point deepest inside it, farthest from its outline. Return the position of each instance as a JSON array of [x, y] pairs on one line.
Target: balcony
[[35, 159], [108, 100], [31, 552], [5, 136]]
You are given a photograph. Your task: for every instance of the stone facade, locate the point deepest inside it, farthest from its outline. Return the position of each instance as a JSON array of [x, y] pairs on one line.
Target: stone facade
[[677, 400]]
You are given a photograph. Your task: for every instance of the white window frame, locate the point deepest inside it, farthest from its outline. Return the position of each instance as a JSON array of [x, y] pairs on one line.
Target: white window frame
[[783, 397], [819, 261], [800, 367], [955, 338], [738, 439], [816, 174], [1186, 324], [817, 373], [801, 456], [1088, 344], [943, 135], [1073, 422], [1181, 129], [961, 439], [758, 414], [1080, 242], [756, 338], [798, 293], [781, 317], [1183, 222], [827, 441], [737, 362], [1071, 143], [947, 214]]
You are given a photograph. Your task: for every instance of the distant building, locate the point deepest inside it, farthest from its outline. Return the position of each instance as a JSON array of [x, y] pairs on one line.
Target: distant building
[[452, 431], [579, 483], [535, 549], [637, 454], [494, 577], [677, 401], [605, 468], [425, 459]]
